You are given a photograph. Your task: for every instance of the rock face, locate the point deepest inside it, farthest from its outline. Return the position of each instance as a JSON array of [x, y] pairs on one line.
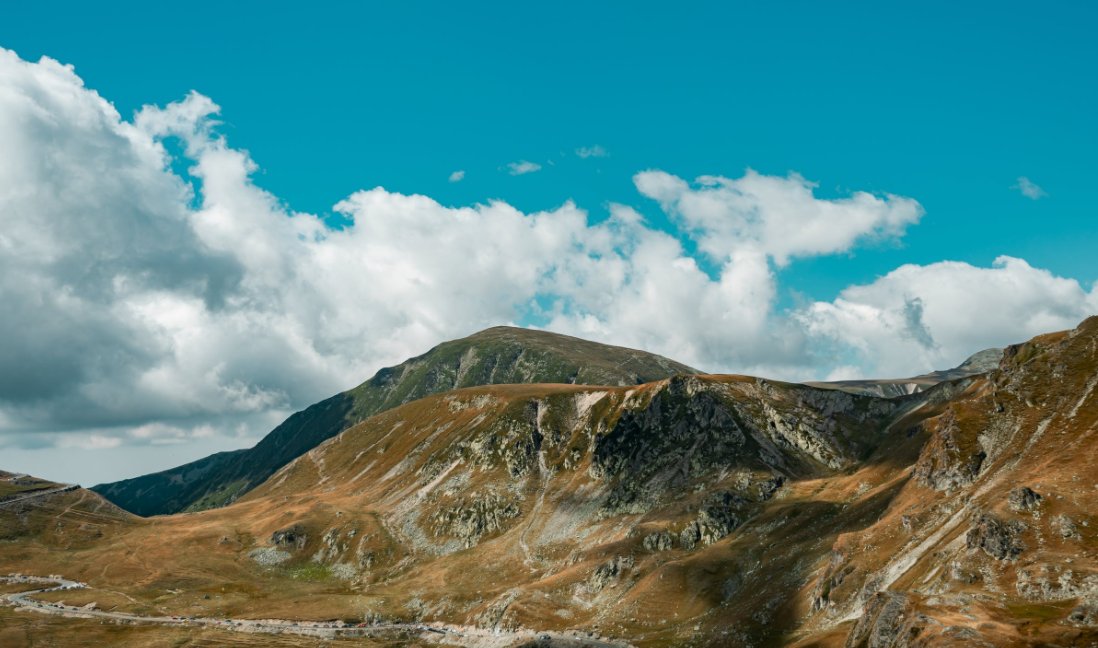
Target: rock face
[[471, 519], [501, 355], [888, 622]]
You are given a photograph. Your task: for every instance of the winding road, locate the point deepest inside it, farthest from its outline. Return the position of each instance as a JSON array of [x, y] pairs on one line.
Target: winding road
[[446, 634]]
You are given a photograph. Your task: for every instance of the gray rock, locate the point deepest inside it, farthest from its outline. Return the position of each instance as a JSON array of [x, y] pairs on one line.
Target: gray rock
[[998, 539], [269, 556], [1023, 499], [475, 517], [1066, 527], [608, 572], [888, 621], [660, 541], [293, 537]]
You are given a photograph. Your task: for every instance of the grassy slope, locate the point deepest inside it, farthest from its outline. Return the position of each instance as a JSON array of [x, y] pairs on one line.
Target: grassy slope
[[380, 498], [802, 566], [498, 355]]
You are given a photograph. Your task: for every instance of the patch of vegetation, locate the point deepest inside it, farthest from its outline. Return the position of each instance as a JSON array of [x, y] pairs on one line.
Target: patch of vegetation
[[1041, 611], [220, 497], [310, 572]]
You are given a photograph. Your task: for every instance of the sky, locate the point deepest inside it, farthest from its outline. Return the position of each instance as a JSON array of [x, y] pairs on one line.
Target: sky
[[214, 217]]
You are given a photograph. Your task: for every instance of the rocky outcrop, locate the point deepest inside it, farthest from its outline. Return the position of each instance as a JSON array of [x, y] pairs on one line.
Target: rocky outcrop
[[269, 556], [952, 458], [1055, 582], [1023, 499], [721, 513], [831, 578], [1065, 527], [293, 537], [1085, 614], [475, 517], [888, 621], [691, 428], [608, 573], [998, 539], [660, 541]]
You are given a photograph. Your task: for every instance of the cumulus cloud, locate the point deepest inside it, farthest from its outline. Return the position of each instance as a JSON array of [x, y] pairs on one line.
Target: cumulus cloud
[[924, 317], [144, 307], [778, 217], [457, 176], [595, 151], [1029, 188], [523, 167]]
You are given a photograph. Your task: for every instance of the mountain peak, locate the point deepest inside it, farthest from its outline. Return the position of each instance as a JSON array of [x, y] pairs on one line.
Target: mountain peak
[[494, 356]]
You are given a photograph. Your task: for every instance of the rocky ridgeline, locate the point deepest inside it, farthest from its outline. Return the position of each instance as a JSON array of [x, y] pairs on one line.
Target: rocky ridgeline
[[997, 519]]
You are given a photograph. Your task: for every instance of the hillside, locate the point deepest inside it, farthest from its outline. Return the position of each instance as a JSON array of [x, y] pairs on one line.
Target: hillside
[[691, 511], [500, 355], [60, 517]]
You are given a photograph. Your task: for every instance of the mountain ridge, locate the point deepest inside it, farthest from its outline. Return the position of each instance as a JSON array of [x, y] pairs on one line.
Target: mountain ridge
[[495, 355], [695, 510]]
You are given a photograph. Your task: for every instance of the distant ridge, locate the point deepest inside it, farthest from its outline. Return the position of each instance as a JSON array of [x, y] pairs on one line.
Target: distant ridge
[[978, 363]]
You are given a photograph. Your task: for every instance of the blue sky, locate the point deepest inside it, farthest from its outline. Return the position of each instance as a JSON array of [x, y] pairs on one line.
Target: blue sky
[[948, 103], [798, 190]]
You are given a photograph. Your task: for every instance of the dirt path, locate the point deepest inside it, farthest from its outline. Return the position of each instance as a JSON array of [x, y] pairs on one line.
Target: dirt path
[[438, 633]]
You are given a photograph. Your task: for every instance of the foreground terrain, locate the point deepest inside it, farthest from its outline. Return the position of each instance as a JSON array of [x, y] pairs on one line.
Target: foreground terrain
[[693, 510]]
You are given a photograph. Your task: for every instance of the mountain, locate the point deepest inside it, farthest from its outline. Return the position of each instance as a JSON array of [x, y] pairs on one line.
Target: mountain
[[978, 363], [991, 536], [499, 355], [689, 511]]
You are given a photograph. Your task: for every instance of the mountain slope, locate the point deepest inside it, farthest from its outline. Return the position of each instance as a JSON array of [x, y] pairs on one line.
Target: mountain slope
[[500, 355], [544, 506], [692, 511], [993, 538]]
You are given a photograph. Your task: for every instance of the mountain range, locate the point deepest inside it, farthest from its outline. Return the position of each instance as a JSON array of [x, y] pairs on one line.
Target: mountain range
[[517, 480]]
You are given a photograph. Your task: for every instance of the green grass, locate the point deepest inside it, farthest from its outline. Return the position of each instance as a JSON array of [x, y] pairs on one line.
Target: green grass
[[310, 572], [1041, 611]]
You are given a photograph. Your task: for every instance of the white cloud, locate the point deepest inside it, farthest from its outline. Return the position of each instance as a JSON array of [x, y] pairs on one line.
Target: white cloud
[[523, 167], [140, 311], [595, 151], [778, 217], [918, 318], [457, 176], [1029, 188]]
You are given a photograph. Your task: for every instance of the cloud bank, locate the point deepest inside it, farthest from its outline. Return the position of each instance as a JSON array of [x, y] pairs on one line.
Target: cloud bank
[[145, 306]]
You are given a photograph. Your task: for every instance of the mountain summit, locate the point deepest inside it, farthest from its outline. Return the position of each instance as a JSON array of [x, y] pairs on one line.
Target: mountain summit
[[499, 355]]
